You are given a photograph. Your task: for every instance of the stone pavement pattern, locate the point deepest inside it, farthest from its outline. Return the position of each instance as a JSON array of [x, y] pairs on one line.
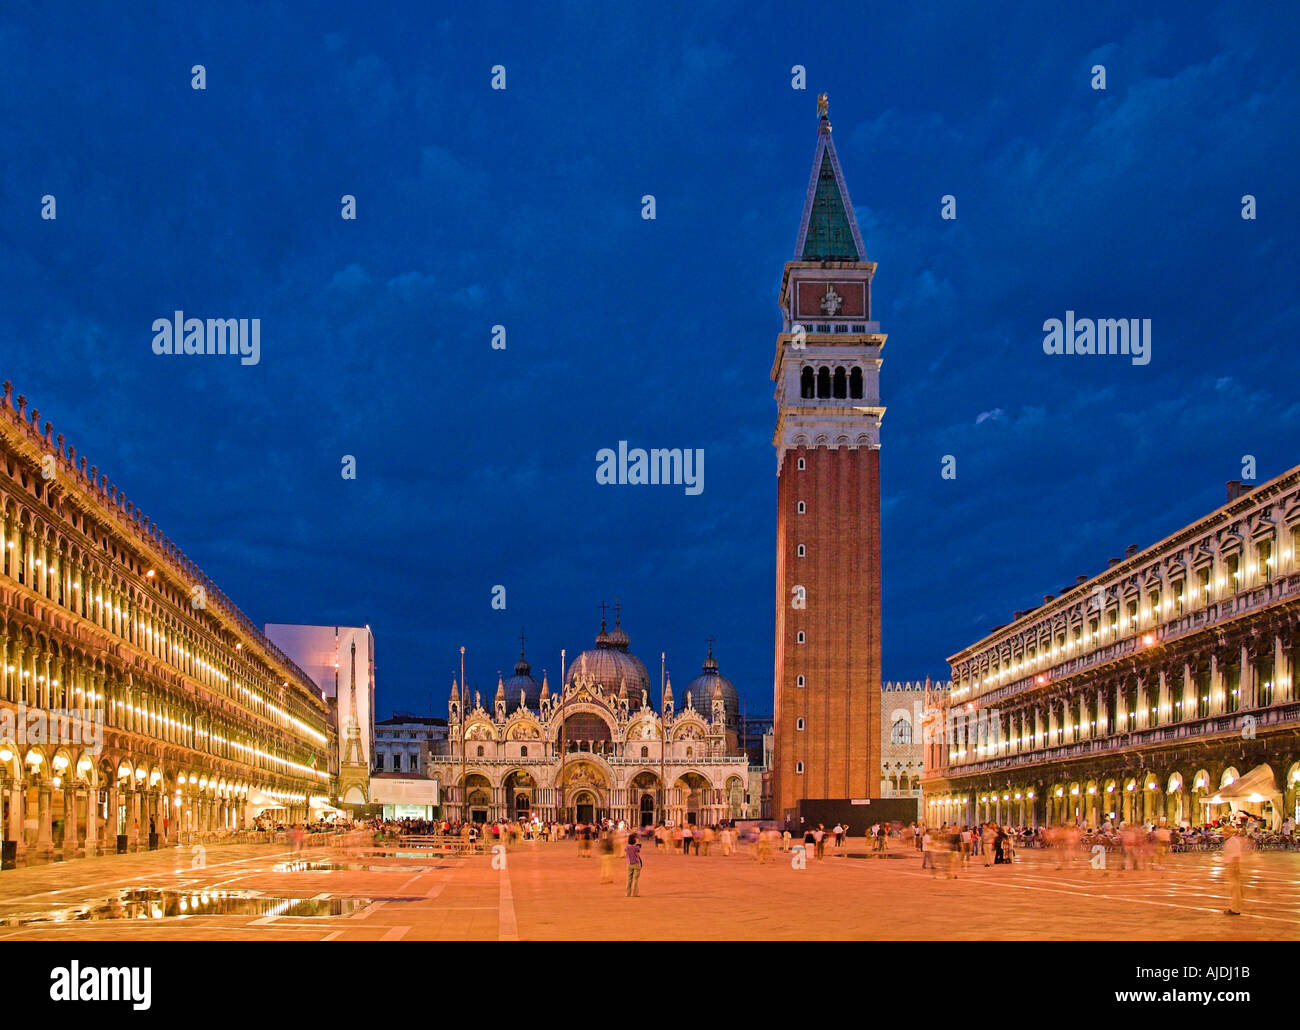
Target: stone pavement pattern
[[547, 891]]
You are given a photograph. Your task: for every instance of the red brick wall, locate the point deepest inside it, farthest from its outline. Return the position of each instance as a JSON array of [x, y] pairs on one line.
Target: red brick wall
[[853, 294], [841, 660]]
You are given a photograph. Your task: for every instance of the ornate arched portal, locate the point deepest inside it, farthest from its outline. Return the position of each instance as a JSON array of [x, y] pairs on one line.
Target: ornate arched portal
[[586, 792]]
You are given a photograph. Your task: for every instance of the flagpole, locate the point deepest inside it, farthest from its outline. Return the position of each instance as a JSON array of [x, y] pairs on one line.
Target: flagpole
[[663, 741], [464, 784], [563, 747]]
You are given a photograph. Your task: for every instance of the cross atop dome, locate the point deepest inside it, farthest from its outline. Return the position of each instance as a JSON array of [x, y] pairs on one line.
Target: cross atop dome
[[619, 637], [828, 230], [602, 638]]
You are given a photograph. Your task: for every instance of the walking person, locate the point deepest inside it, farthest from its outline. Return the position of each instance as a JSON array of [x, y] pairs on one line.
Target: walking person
[[607, 858], [633, 852], [1235, 846]]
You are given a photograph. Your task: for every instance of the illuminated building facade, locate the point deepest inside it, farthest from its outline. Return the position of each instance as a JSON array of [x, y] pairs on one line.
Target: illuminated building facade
[[341, 661], [134, 695], [597, 749], [902, 755], [1140, 692]]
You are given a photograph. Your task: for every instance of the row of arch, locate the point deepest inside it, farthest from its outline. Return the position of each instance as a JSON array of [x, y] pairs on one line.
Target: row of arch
[[69, 802], [109, 587], [47, 678], [1225, 680], [1221, 563], [827, 383], [591, 792], [1133, 798], [586, 726]]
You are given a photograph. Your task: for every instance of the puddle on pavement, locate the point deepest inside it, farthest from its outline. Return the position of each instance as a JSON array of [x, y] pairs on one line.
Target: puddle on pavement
[[149, 903], [331, 867]]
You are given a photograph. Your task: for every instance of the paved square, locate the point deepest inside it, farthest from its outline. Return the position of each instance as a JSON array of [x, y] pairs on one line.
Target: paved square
[[547, 891]]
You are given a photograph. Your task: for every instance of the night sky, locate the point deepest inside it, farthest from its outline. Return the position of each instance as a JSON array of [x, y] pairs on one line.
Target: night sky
[[522, 207]]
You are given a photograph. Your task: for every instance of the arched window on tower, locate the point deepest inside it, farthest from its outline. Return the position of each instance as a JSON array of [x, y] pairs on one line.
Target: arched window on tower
[[841, 384], [855, 384], [645, 752], [823, 382], [806, 387]]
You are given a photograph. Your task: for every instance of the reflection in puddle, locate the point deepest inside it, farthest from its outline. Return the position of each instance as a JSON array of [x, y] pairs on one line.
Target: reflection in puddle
[[330, 867], [149, 903]]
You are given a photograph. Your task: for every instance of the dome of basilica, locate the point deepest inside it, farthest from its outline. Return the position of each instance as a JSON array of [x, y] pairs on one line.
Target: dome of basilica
[[702, 687], [522, 680], [610, 664]]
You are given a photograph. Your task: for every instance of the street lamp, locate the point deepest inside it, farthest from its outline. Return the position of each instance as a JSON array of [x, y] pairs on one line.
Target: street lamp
[[464, 782]]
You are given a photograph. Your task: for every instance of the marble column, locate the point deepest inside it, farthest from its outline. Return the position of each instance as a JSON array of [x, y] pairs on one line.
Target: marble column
[[44, 827], [132, 829], [108, 832], [91, 847], [17, 819], [71, 798]]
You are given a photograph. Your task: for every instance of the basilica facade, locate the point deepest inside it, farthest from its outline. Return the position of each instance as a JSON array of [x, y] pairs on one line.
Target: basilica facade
[[597, 748]]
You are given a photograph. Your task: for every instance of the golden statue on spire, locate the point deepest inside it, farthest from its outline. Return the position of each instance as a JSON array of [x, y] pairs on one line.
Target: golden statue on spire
[[823, 105]]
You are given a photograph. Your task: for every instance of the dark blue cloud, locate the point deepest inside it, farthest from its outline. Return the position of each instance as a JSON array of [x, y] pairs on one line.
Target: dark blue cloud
[[476, 208]]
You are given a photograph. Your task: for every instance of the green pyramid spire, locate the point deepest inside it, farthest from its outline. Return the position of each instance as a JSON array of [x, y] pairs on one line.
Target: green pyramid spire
[[829, 236]]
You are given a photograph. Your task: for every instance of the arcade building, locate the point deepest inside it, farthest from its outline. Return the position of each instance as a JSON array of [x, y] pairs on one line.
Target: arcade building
[[1162, 688], [597, 748], [138, 704]]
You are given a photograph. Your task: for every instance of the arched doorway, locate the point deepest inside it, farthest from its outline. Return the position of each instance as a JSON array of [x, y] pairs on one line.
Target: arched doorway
[[691, 789], [1175, 812], [585, 792], [478, 797], [1198, 811], [645, 789], [1130, 801], [584, 806], [735, 799], [1153, 799], [519, 788]]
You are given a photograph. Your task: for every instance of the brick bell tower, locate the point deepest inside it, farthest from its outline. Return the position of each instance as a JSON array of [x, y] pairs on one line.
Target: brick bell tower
[[827, 373]]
